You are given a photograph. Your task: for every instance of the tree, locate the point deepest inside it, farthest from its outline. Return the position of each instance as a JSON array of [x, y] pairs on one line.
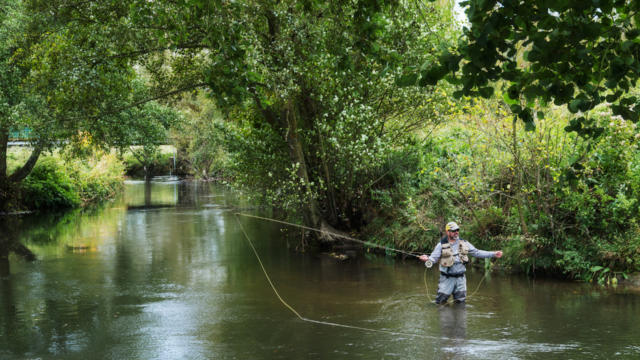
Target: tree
[[145, 129], [198, 140], [312, 84], [572, 52], [11, 92], [49, 87]]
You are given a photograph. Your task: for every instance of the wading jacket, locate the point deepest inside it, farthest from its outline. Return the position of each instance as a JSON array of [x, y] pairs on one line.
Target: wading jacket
[[458, 266]]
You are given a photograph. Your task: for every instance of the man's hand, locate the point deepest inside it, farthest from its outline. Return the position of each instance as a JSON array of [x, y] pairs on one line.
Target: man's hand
[[498, 253], [423, 257]]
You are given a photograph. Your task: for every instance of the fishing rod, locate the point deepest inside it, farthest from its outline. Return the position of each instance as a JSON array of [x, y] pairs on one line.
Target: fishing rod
[[428, 264]]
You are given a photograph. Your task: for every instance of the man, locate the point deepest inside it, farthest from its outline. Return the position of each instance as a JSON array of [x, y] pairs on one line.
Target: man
[[452, 255]]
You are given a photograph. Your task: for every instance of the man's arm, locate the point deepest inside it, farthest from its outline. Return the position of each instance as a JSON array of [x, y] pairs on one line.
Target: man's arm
[[435, 255], [482, 253]]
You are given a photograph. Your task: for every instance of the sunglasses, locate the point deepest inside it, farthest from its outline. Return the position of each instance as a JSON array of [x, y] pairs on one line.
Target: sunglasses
[[456, 230]]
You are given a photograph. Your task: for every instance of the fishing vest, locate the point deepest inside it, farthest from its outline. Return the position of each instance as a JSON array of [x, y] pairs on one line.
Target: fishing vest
[[446, 258]]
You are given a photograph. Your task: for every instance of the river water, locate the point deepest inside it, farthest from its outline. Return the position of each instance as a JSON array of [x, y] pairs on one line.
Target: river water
[[165, 272]]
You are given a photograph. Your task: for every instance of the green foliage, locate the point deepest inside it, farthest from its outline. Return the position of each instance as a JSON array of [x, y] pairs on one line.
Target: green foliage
[[316, 107], [96, 178], [200, 137], [555, 202], [49, 187], [66, 85], [574, 53], [158, 163], [309, 91], [61, 182]]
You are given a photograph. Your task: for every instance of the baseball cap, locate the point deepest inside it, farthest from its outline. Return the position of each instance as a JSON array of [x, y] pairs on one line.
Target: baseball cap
[[452, 226]]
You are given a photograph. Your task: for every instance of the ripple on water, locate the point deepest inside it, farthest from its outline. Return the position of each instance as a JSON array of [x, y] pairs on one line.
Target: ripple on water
[[504, 349]]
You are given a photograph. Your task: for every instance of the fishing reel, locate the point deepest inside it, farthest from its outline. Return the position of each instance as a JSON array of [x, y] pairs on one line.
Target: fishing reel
[[428, 264]]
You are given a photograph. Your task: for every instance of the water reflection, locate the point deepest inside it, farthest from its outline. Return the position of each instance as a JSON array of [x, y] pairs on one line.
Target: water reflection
[[164, 272], [453, 321]]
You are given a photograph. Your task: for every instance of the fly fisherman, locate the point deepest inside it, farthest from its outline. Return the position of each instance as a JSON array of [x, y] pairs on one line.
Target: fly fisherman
[[452, 255]]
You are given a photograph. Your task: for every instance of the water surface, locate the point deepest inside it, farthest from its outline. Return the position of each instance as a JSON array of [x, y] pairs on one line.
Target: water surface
[[165, 272]]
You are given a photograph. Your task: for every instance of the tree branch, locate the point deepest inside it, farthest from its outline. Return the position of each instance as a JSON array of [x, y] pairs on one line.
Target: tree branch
[[25, 170], [146, 100]]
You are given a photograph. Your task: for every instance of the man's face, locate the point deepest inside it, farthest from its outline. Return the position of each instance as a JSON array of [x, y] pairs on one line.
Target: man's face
[[453, 234]]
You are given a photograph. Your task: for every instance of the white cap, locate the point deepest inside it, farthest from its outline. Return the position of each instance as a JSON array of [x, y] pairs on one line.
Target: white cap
[[452, 226]]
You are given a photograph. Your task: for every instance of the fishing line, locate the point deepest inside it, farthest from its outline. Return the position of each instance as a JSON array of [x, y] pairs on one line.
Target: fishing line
[[479, 283], [331, 233], [255, 252], [426, 287], [347, 238]]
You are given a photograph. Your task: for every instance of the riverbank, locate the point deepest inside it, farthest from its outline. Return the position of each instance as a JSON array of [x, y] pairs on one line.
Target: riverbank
[[62, 181]]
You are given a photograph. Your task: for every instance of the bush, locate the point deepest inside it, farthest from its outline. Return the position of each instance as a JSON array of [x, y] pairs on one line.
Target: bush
[[49, 187], [555, 203], [62, 182], [96, 178]]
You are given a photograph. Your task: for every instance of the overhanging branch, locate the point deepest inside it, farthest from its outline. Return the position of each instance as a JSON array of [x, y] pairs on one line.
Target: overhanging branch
[[146, 100]]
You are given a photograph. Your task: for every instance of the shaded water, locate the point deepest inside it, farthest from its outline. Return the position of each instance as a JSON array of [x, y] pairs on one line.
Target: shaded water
[[165, 273]]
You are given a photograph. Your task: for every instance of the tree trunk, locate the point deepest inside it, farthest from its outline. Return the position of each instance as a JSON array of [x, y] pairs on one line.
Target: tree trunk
[[23, 251], [147, 173], [4, 180], [4, 143], [312, 214], [296, 152], [8, 195], [25, 170]]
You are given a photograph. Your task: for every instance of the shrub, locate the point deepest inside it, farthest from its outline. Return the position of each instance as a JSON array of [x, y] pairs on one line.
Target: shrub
[[96, 178], [62, 182], [554, 202], [49, 187]]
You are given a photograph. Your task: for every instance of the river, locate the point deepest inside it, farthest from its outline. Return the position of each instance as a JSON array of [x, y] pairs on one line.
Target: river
[[165, 272]]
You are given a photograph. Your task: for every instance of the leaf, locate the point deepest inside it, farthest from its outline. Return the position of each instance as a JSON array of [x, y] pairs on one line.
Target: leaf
[[632, 34], [574, 105], [596, 268], [486, 92], [449, 61], [529, 125], [407, 80], [509, 100], [514, 92], [626, 45], [432, 76]]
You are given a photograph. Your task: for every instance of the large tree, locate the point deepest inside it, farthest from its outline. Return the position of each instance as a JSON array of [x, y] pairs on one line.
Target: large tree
[[309, 79], [53, 84]]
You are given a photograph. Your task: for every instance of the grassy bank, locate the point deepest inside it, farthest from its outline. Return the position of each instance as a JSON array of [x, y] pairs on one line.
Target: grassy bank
[[59, 181]]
